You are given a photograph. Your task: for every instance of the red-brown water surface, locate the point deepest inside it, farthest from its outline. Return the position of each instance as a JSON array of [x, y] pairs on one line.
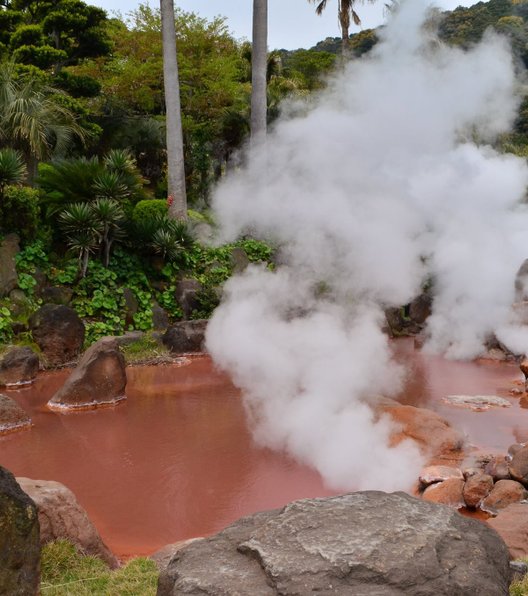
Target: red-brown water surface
[[176, 459]]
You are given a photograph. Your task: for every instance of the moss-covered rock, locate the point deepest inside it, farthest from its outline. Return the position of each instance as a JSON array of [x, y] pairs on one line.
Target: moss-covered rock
[[19, 539]]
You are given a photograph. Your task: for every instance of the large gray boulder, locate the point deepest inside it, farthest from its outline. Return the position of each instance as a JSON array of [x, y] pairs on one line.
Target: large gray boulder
[[19, 367], [58, 331], [366, 544], [62, 518], [99, 379], [19, 539], [9, 248]]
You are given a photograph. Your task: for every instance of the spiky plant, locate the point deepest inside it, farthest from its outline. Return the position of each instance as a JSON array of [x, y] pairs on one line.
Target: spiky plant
[[12, 168], [110, 185], [82, 230]]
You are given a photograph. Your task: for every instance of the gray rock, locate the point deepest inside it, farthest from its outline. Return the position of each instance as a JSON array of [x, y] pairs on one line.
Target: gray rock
[[521, 283], [131, 305], [57, 295], [420, 308], [186, 336], [9, 248], [129, 337], [187, 291], [160, 318], [362, 544], [58, 331], [19, 539], [99, 379], [12, 416], [19, 367], [239, 259]]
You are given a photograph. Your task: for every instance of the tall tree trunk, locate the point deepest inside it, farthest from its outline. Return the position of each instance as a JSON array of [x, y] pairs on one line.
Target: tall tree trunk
[[259, 55], [175, 164]]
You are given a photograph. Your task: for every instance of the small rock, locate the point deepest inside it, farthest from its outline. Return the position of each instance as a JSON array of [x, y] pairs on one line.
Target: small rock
[[478, 403], [433, 474], [12, 416], [131, 305], [511, 524], [477, 487], [239, 260], [99, 379], [519, 466], [519, 569], [420, 308], [449, 492], [504, 493], [57, 295], [498, 468], [129, 337], [469, 472], [19, 367], [187, 291], [513, 449], [160, 318]]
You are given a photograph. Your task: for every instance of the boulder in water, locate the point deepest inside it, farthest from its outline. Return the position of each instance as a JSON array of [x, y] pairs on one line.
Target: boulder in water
[[99, 379], [19, 367], [12, 416]]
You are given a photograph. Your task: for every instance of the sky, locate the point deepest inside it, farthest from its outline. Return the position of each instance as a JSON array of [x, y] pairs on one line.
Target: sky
[[292, 23]]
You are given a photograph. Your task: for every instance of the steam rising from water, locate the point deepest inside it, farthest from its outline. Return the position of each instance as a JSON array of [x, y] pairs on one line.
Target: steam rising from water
[[373, 190]]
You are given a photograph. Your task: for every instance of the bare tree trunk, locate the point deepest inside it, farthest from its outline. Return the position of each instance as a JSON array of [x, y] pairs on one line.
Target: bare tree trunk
[[258, 71], [175, 164]]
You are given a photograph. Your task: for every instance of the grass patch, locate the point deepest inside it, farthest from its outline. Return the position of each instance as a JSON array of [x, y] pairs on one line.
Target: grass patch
[[64, 572], [144, 349]]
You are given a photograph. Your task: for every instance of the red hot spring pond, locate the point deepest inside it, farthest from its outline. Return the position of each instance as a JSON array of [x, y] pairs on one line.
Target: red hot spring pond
[[176, 459]]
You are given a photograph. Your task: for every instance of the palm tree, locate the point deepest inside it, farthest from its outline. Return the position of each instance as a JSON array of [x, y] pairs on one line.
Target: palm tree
[[110, 217], [175, 164], [33, 119], [345, 10], [259, 55]]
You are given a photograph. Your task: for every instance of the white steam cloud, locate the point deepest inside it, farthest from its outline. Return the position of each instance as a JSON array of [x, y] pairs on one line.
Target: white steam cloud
[[370, 192]]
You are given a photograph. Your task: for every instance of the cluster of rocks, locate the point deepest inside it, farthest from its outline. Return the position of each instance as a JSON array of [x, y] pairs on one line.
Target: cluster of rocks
[[494, 485]]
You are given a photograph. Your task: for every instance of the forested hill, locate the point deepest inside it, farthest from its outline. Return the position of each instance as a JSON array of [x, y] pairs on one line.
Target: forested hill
[[462, 26]]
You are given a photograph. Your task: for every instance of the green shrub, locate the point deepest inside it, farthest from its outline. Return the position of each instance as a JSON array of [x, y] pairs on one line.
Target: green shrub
[[20, 211], [149, 209]]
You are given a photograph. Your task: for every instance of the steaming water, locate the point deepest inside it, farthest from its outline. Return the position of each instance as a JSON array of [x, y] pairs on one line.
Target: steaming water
[[176, 460], [370, 191]]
